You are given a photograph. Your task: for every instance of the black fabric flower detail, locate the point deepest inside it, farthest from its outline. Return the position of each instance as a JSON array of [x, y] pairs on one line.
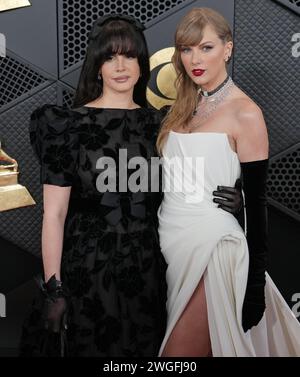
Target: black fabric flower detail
[[123, 206], [130, 281], [79, 281], [58, 158], [93, 137], [107, 333], [93, 309]]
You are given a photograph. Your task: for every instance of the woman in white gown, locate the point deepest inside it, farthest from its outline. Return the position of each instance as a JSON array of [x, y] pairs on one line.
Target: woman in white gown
[[221, 301]]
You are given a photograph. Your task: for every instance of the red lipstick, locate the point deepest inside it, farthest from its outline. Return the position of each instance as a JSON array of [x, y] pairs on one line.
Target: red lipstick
[[198, 72]]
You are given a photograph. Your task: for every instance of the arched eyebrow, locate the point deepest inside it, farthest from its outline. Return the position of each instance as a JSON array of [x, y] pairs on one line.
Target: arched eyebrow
[[198, 45]]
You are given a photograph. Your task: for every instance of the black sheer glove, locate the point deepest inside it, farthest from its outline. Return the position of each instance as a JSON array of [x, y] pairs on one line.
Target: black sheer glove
[[55, 305], [230, 198], [254, 176]]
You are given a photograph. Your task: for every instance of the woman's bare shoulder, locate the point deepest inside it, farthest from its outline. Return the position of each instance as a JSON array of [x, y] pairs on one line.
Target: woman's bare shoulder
[[247, 113], [251, 131]]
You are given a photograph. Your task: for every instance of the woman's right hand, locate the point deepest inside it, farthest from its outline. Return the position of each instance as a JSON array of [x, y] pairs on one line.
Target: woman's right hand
[[55, 305], [55, 314]]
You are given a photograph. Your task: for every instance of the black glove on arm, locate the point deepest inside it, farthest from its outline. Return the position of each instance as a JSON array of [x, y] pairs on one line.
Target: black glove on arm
[[254, 175], [230, 199], [55, 309]]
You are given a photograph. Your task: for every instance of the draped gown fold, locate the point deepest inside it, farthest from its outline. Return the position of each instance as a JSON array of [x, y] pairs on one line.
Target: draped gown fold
[[198, 239]]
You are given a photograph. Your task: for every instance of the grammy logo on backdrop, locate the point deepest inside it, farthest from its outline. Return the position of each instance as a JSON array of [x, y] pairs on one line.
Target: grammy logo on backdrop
[[161, 65], [12, 194]]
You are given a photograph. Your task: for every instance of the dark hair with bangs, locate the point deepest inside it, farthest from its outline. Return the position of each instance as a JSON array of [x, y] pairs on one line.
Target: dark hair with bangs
[[114, 36]]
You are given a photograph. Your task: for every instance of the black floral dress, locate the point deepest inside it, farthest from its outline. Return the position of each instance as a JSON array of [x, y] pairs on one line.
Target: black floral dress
[[111, 260]]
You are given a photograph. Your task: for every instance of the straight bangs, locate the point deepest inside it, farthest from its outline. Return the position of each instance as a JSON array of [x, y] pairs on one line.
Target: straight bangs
[[120, 41], [190, 34], [106, 40]]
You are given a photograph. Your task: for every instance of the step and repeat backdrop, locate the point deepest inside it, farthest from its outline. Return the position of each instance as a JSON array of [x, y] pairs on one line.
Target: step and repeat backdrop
[[42, 45]]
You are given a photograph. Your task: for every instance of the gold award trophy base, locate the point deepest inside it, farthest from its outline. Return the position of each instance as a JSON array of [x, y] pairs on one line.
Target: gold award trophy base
[[14, 196], [13, 4]]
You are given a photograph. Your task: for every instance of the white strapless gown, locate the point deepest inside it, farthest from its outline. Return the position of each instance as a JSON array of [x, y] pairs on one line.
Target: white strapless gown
[[199, 239]]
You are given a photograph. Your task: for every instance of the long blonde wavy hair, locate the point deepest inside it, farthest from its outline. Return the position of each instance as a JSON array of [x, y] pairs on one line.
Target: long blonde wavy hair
[[189, 32]]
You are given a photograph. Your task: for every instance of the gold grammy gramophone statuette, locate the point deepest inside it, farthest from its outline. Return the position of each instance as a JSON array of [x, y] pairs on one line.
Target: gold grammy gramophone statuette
[[12, 194]]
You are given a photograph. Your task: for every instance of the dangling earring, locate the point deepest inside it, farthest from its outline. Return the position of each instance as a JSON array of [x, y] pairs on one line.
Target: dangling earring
[[99, 77]]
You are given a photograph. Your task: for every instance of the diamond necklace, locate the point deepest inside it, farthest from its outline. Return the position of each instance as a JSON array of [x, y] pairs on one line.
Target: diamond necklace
[[210, 101], [209, 94]]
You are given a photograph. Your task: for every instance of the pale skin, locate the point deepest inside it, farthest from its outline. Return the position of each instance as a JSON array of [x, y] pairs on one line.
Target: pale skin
[[116, 94], [243, 122]]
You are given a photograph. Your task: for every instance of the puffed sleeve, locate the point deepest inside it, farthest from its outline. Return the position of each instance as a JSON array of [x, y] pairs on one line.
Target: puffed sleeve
[[54, 139]]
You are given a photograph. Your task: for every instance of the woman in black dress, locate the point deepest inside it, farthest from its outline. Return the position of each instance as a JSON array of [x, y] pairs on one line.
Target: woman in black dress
[[107, 241], [104, 272]]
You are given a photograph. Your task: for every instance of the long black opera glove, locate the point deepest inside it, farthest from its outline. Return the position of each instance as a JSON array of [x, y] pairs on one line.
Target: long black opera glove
[[254, 176], [230, 199], [54, 316]]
